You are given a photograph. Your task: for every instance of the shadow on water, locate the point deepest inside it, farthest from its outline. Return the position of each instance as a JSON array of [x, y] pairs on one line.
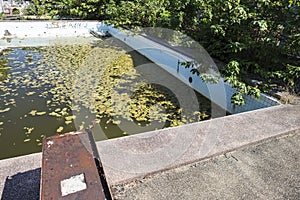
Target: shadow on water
[[24, 186]]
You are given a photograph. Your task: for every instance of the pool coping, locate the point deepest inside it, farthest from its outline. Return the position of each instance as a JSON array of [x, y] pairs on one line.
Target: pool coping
[[133, 157]]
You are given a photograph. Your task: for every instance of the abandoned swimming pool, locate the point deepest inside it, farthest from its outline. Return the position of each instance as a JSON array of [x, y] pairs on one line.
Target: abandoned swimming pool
[[55, 78], [104, 86]]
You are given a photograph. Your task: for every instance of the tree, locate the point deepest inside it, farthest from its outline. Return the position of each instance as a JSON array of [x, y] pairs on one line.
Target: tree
[[89, 9], [145, 13], [261, 37]]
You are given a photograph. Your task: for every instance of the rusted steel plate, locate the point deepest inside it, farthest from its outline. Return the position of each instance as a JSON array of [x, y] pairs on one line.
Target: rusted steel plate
[[68, 168]]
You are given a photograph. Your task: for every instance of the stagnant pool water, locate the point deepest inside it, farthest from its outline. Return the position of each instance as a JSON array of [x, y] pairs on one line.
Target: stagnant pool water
[[103, 86]]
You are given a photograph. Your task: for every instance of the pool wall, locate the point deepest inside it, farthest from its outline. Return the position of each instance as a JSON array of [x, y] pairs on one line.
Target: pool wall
[[169, 59], [25, 29], [29, 33]]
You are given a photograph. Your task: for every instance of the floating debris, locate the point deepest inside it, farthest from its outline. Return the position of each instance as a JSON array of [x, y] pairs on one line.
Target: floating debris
[[60, 129], [33, 112], [68, 122], [5, 110], [27, 140], [41, 113], [30, 93], [88, 81], [70, 118], [28, 130], [54, 114], [117, 122]]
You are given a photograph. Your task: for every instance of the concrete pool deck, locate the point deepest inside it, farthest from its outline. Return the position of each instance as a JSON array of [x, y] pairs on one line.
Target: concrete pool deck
[[272, 132]]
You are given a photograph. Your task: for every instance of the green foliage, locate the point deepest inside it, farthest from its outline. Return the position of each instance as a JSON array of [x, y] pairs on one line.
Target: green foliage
[[289, 75], [16, 11], [88, 9], [135, 13], [262, 35], [38, 8], [232, 71], [201, 71]]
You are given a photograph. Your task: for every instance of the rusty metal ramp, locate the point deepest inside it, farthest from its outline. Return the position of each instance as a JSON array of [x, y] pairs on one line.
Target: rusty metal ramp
[[71, 168]]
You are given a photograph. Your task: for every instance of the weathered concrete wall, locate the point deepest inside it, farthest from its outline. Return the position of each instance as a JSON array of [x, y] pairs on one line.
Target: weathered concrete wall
[[44, 33], [27, 29]]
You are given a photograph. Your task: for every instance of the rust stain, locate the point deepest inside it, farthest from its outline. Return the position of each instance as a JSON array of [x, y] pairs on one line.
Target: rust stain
[[65, 156]]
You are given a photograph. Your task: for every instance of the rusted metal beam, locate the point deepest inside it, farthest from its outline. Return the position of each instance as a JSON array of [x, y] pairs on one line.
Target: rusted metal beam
[[69, 168]]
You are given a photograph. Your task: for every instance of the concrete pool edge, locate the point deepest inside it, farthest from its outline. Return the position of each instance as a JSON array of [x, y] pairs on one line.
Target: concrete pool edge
[[260, 125], [133, 155]]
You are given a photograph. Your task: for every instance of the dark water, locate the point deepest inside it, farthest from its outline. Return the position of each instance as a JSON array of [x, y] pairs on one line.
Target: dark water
[[49, 90]]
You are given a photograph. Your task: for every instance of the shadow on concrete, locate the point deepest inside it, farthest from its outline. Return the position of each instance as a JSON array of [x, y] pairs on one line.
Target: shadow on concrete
[[25, 186]]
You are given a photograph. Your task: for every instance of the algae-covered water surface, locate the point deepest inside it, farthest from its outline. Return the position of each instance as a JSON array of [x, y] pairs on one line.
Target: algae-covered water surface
[[103, 86]]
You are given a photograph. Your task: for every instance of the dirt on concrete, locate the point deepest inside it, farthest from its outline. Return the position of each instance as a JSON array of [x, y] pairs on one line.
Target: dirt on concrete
[[269, 170]]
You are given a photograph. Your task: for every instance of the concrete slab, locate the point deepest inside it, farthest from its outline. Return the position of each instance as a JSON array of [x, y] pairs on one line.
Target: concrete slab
[[129, 158], [269, 170]]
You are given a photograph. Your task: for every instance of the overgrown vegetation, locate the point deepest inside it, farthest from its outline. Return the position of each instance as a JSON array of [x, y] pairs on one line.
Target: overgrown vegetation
[[258, 37], [88, 9]]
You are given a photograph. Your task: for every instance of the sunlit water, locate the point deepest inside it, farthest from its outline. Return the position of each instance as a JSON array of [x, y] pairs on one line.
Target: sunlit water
[[104, 86]]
